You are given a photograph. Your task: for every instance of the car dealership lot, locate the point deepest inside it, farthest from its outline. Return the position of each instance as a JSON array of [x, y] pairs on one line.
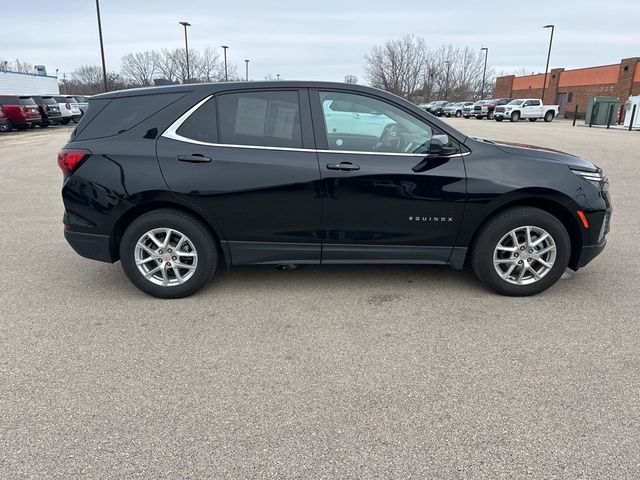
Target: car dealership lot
[[324, 371]]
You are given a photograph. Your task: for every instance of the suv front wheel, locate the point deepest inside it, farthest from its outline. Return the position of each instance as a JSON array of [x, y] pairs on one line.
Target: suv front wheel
[[168, 254], [520, 252]]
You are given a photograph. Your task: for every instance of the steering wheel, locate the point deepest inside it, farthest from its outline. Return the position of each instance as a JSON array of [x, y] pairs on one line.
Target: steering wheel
[[391, 139]]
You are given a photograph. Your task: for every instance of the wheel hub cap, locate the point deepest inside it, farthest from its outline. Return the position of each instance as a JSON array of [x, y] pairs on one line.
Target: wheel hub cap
[[524, 255], [166, 257]]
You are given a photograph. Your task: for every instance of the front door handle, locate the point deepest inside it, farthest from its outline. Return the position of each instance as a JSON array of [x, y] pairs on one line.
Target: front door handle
[[344, 166], [195, 158]]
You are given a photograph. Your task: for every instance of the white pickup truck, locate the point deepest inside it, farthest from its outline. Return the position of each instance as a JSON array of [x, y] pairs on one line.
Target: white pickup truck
[[530, 108]]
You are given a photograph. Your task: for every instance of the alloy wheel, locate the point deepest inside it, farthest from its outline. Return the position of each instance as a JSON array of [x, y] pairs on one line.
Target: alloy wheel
[[524, 255], [166, 257]]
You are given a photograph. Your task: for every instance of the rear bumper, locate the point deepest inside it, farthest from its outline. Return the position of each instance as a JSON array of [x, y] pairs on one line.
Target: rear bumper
[[88, 245]]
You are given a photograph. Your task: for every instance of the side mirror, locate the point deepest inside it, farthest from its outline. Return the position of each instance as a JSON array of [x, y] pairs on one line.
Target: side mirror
[[437, 145]]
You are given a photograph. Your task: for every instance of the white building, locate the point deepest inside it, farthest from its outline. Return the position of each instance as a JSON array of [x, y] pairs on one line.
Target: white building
[[14, 83]]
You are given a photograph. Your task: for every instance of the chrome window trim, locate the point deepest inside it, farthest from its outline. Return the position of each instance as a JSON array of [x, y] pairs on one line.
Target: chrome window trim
[[171, 132]]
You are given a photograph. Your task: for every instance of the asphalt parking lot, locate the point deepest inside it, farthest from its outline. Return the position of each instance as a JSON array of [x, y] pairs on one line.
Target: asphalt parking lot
[[320, 372]]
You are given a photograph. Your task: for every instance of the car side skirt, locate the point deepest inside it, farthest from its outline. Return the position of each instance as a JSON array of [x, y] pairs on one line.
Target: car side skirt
[[261, 253]]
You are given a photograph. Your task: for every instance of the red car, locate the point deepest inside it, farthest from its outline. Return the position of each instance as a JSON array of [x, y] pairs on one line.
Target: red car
[[21, 112], [4, 121]]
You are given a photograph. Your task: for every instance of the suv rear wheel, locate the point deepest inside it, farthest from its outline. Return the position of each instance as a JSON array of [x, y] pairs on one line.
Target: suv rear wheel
[[548, 116], [168, 254], [521, 251]]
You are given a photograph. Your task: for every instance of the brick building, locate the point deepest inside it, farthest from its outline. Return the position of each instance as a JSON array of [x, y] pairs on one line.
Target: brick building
[[569, 88]]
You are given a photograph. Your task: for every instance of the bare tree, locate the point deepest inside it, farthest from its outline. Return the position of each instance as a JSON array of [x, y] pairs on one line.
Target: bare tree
[[352, 79], [17, 66], [166, 65], [398, 65], [139, 68], [408, 68], [88, 80]]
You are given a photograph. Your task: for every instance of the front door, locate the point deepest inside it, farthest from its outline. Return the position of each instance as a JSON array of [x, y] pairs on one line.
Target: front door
[[247, 160], [382, 202]]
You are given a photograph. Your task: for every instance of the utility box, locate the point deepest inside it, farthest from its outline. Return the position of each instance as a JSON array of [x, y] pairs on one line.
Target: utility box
[[633, 102], [599, 109]]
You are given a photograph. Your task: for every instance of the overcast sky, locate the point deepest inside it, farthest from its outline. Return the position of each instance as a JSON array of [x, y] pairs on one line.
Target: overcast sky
[[322, 40]]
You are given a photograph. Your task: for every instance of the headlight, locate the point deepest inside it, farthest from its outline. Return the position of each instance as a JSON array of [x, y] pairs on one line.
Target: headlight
[[596, 178]]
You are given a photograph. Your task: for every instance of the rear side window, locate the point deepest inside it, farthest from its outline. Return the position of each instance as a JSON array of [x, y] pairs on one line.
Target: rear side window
[[48, 100], [8, 100], [121, 114], [201, 124], [61, 99], [270, 119], [26, 101]]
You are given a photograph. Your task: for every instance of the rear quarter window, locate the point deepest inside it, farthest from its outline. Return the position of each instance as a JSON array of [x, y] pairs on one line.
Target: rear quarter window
[[201, 124], [111, 116]]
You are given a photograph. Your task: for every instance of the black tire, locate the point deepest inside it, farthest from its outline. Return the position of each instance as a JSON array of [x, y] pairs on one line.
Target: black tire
[[490, 115], [458, 114], [188, 225], [65, 121], [466, 116], [549, 116], [515, 117], [533, 119], [45, 124], [479, 117], [21, 127], [498, 119], [496, 228]]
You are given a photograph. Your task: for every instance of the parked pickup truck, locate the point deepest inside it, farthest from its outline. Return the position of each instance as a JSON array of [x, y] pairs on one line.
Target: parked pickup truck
[[530, 108]]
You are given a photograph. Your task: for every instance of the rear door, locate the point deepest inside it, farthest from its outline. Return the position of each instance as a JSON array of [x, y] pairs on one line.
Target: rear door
[[377, 207], [247, 159], [532, 109]]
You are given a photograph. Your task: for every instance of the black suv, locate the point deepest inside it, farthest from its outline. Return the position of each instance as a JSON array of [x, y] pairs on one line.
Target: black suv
[[49, 110], [175, 181]]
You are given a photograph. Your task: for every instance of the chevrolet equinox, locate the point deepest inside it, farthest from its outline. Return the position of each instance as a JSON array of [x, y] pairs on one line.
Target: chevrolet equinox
[[176, 181]]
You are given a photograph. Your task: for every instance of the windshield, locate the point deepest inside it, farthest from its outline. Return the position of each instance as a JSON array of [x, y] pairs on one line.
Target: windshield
[[515, 102], [26, 101]]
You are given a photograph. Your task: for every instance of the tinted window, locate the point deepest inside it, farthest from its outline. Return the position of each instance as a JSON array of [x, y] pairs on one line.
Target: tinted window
[[269, 119], [121, 114], [48, 100], [8, 100], [26, 101], [60, 99], [201, 124], [366, 124]]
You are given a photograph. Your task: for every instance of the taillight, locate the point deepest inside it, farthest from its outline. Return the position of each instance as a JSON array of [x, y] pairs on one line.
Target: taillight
[[69, 160]]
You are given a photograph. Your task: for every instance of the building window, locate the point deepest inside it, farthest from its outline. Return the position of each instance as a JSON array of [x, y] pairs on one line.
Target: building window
[[570, 97]]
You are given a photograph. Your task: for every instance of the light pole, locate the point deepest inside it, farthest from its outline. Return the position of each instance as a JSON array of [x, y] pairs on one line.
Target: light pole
[[278, 75], [546, 69], [446, 84], [186, 47], [246, 62], [226, 74], [484, 72], [104, 67]]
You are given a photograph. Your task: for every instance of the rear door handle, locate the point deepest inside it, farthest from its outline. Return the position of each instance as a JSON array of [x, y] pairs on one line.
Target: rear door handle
[[344, 166], [195, 158]]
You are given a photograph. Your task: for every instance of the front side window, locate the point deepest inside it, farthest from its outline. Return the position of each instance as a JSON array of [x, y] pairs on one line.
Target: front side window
[[270, 119], [361, 123]]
